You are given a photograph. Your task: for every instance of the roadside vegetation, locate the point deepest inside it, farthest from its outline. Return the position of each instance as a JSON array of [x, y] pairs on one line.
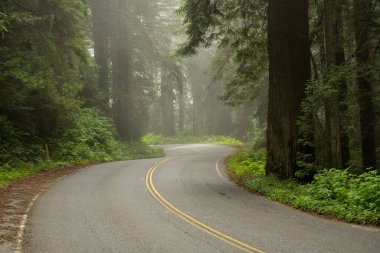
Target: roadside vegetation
[[337, 193], [153, 139], [91, 139], [84, 81]]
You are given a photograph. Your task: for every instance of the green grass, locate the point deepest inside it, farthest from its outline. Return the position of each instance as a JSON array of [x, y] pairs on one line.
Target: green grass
[[354, 198], [152, 139], [10, 173]]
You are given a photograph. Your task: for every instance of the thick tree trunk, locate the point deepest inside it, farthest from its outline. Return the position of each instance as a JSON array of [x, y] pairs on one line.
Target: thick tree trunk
[[289, 70], [100, 17], [367, 120], [331, 104], [120, 97], [121, 73], [336, 108], [342, 87]]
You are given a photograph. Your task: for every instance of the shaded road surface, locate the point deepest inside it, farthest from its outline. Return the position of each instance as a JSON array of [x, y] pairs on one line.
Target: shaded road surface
[[110, 208]]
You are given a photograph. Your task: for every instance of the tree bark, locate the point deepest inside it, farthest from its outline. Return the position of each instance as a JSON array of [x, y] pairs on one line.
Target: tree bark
[[167, 106], [342, 88], [100, 16], [289, 70], [181, 107], [335, 106], [121, 73], [364, 79]]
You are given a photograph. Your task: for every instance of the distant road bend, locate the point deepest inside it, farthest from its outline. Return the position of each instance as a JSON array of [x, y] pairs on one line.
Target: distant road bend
[[181, 203]]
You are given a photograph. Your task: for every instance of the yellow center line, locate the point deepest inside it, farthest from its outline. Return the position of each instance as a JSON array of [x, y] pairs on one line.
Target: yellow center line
[[153, 191]]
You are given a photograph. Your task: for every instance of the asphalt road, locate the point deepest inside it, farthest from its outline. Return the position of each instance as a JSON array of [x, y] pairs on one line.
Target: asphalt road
[[180, 203]]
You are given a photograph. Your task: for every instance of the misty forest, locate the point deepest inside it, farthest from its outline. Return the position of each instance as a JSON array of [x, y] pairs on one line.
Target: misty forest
[[294, 84]]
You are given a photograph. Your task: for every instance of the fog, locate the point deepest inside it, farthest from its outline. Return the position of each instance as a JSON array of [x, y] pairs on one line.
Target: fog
[[150, 88]]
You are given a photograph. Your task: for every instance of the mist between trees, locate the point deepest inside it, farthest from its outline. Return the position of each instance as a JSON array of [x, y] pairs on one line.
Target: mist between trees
[[299, 80]]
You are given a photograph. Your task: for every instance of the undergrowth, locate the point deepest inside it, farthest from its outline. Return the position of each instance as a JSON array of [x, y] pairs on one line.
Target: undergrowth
[[153, 139], [91, 139], [350, 197]]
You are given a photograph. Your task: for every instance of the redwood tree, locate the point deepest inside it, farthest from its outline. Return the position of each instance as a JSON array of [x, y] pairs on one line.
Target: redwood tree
[[362, 18], [289, 70], [167, 101], [336, 107], [100, 23]]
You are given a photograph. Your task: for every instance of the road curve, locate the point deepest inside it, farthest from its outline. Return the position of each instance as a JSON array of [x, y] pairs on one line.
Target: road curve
[[181, 203]]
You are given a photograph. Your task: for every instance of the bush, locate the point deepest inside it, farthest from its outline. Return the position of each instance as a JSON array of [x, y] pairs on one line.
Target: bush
[[359, 191], [246, 166], [354, 198], [91, 139], [13, 148]]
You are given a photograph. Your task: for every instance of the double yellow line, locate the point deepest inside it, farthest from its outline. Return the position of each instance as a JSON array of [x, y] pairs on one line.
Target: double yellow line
[[152, 189]]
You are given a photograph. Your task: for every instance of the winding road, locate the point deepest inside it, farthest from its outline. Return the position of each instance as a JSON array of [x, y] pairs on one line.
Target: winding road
[[181, 203]]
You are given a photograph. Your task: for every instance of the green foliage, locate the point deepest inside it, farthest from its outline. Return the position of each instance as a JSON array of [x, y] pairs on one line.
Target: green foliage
[[93, 138], [354, 198], [47, 75], [152, 139], [3, 29], [239, 29], [247, 164], [356, 191], [12, 146], [9, 173], [90, 139], [44, 64], [258, 139], [312, 122]]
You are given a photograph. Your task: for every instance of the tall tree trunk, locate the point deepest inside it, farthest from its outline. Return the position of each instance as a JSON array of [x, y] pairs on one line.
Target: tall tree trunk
[[181, 107], [120, 78], [100, 16], [167, 106], [121, 72], [367, 120], [289, 70], [197, 109], [342, 87], [336, 108]]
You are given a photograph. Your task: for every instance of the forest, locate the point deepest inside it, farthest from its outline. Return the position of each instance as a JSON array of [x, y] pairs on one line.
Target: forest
[[297, 81]]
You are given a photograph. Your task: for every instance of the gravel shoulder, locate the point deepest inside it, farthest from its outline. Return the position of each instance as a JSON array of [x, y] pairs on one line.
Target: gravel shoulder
[[15, 198]]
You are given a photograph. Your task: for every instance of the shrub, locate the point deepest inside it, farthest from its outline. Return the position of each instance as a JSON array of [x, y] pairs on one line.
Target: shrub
[[90, 139], [13, 148], [246, 166], [354, 198], [359, 191]]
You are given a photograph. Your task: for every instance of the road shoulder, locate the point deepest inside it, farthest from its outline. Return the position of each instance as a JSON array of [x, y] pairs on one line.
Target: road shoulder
[[17, 197]]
